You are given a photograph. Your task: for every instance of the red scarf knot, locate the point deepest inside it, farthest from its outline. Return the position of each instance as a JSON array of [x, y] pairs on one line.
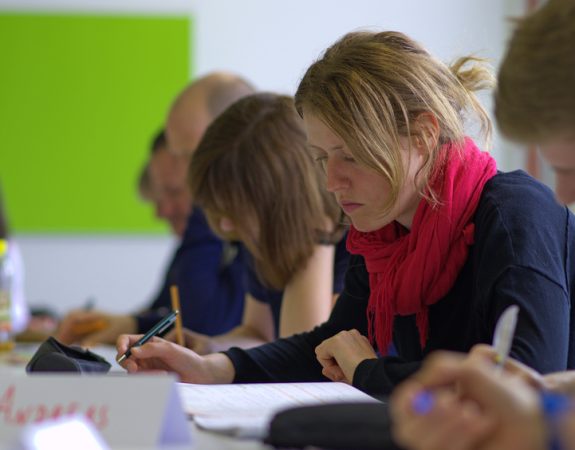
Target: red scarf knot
[[409, 270]]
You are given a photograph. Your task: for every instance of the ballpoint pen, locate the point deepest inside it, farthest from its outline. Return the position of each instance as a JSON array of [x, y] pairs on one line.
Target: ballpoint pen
[[156, 330], [424, 401], [503, 335]]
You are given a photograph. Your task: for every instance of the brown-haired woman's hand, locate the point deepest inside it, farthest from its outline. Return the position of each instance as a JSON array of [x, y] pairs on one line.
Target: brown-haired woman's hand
[[200, 343]]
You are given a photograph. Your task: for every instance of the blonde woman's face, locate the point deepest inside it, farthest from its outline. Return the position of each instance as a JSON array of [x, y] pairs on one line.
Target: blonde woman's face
[[361, 192], [560, 154]]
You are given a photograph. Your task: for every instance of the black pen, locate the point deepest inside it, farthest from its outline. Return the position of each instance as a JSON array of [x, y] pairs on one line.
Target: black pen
[[156, 330]]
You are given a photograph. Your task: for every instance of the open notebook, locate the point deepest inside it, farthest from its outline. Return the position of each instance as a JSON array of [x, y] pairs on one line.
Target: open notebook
[[245, 410]]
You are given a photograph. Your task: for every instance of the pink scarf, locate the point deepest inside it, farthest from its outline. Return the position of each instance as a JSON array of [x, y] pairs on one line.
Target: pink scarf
[[410, 270]]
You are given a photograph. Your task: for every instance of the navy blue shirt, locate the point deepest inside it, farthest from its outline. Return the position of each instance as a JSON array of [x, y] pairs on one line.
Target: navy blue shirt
[[523, 254], [273, 297], [210, 275]]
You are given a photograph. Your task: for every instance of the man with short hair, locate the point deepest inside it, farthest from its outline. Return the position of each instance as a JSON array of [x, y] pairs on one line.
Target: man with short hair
[[168, 178], [198, 104], [208, 272]]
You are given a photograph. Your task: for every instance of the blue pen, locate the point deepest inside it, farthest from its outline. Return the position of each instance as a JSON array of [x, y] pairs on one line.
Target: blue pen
[[423, 402], [156, 330]]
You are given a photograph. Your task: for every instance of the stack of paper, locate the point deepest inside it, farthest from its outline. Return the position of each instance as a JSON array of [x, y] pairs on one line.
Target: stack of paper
[[245, 410]]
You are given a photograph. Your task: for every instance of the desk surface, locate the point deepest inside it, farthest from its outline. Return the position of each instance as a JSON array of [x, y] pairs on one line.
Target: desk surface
[[14, 364]]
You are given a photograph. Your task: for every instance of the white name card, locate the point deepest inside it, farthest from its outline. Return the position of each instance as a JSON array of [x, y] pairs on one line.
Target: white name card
[[137, 411]]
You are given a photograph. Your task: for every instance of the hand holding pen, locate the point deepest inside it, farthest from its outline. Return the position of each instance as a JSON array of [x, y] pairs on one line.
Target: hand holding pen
[[443, 369], [462, 403], [157, 330], [161, 355], [503, 335]]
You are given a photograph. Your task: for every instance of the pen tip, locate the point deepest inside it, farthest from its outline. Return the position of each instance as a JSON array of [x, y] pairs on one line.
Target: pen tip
[[120, 359]]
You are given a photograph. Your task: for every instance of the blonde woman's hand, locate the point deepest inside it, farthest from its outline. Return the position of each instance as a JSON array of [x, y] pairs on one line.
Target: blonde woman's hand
[[159, 355], [341, 354]]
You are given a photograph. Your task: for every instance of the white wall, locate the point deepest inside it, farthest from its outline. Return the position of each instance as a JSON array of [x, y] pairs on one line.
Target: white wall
[[271, 43], [120, 273]]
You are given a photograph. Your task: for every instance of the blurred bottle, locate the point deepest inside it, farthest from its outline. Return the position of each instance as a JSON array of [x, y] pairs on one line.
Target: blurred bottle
[[6, 281], [20, 309]]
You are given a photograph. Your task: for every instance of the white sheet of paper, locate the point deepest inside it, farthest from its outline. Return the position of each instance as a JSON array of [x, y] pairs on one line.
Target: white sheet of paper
[[246, 409]]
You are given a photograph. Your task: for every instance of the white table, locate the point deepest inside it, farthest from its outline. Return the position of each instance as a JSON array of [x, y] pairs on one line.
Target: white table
[[202, 440]]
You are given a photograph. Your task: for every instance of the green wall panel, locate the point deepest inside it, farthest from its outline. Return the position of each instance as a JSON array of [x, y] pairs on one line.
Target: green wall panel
[[80, 98]]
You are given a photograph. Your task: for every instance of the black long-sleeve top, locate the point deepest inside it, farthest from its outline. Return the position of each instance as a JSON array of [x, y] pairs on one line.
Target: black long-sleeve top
[[523, 254]]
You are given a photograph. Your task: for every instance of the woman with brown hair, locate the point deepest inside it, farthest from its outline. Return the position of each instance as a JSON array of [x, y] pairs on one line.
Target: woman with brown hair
[[256, 182], [442, 243]]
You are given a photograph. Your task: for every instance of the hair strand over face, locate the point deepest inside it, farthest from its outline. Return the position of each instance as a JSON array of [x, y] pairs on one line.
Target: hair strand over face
[[253, 168]]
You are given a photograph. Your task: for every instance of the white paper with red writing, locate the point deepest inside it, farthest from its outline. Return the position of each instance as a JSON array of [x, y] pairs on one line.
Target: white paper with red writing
[[137, 411]]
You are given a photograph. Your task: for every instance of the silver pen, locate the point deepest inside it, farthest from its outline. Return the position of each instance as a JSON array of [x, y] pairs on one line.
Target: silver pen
[[503, 335]]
